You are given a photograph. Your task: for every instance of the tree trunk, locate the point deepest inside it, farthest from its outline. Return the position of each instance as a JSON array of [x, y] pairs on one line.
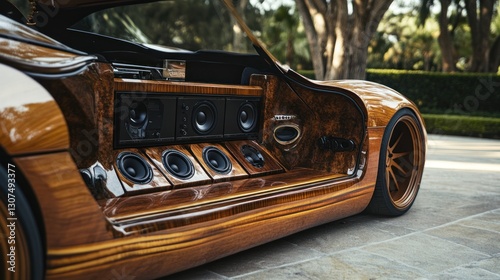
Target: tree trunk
[[368, 15], [445, 39], [338, 39], [339, 63], [315, 27], [238, 36], [479, 22], [495, 56]]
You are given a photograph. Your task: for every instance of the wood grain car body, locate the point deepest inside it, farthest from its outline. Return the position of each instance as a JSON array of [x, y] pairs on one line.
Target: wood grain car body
[[57, 118]]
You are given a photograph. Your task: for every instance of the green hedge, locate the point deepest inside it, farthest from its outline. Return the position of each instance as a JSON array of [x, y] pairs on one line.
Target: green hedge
[[462, 125], [456, 94]]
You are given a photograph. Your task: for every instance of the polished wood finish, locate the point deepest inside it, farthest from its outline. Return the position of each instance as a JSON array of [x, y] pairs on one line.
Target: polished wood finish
[[381, 101], [234, 173], [39, 59], [125, 210], [168, 87], [31, 121], [316, 114], [66, 205], [175, 237], [86, 100], [199, 177], [189, 246]]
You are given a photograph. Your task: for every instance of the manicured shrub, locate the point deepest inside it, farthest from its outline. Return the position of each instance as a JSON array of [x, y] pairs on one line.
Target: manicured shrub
[[463, 125]]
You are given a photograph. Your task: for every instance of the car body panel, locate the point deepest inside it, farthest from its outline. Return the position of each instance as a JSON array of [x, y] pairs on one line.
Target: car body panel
[[23, 130]]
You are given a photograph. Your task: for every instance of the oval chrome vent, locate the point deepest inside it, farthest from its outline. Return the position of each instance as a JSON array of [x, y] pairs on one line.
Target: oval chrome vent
[[286, 134]]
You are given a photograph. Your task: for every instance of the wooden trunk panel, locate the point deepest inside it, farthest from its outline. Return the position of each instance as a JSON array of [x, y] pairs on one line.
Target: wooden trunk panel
[[316, 114]]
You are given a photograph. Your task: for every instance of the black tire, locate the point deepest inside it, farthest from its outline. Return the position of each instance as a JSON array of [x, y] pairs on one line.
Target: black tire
[[401, 164], [26, 241]]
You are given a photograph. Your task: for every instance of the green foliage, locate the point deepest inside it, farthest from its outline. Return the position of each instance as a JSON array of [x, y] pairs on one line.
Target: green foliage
[[456, 94], [462, 125], [285, 37], [401, 44]]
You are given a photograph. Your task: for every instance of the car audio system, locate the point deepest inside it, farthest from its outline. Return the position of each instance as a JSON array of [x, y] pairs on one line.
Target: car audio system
[[154, 119]]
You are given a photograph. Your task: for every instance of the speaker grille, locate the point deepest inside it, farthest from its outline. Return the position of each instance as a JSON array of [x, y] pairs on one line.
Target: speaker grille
[[217, 160], [134, 167], [178, 164]]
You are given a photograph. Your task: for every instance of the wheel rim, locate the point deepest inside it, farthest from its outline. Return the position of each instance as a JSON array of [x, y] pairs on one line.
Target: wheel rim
[[404, 162]]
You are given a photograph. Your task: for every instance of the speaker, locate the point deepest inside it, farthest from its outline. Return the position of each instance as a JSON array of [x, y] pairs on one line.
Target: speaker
[[134, 167], [144, 119], [216, 160], [178, 164], [253, 156], [242, 118], [200, 118]]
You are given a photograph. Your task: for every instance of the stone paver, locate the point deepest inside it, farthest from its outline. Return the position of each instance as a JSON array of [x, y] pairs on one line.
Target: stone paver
[[451, 232]]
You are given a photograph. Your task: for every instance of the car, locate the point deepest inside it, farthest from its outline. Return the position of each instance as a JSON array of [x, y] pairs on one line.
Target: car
[[145, 158]]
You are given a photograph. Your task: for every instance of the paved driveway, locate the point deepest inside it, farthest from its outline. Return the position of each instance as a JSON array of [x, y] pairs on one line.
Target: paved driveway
[[452, 231]]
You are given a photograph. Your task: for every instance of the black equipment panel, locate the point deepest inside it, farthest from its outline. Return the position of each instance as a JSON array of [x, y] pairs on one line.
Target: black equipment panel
[[154, 119]]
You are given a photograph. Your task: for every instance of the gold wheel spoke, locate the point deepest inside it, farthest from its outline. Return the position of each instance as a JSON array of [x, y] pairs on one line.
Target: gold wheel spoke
[[398, 155], [397, 166], [392, 177], [396, 143]]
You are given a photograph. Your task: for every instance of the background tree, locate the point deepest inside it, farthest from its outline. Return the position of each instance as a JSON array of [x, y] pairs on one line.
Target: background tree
[[479, 15], [339, 33], [399, 43]]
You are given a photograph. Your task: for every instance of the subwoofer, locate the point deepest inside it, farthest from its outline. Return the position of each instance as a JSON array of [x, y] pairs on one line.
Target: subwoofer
[[200, 118], [134, 167], [178, 164], [216, 160], [242, 118], [143, 119]]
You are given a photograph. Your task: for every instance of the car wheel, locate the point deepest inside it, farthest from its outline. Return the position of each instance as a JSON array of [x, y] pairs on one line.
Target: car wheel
[[21, 247], [401, 164]]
